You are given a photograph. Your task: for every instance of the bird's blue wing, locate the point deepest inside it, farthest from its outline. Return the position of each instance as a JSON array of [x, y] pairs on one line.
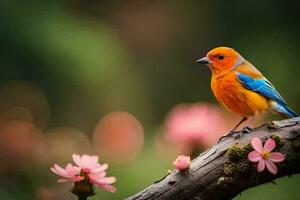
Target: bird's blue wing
[[261, 86]]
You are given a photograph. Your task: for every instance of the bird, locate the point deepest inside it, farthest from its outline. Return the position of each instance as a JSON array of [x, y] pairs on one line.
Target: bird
[[241, 88]]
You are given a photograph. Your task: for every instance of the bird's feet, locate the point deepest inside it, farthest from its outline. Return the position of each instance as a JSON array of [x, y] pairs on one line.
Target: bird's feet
[[236, 134]]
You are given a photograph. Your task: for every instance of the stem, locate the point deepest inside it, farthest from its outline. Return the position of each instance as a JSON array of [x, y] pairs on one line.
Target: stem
[[82, 197], [83, 189]]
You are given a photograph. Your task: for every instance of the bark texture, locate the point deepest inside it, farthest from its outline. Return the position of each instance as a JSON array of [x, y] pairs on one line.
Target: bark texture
[[223, 171]]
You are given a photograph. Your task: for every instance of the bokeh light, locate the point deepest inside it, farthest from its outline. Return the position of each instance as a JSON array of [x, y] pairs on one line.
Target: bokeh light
[[43, 193], [62, 142], [18, 140], [54, 192], [22, 100], [118, 137], [197, 125]]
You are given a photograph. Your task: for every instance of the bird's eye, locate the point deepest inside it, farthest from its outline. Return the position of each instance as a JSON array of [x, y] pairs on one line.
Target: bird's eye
[[220, 56]]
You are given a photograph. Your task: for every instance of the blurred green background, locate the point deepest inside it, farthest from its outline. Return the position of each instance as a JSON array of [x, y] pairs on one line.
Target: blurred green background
[[66, 64]]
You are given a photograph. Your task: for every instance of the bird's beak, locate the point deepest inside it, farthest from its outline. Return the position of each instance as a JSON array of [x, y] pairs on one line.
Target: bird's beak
[[203, 60]]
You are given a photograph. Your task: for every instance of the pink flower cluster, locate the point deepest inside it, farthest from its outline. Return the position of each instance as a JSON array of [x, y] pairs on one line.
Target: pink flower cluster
[[264, 155], [87, 168]]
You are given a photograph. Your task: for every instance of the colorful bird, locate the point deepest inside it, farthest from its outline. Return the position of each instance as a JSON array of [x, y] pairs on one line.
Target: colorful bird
[[240, 87]]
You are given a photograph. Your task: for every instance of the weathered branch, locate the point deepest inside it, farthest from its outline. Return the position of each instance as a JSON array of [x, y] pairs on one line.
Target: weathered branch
[[215, 175]]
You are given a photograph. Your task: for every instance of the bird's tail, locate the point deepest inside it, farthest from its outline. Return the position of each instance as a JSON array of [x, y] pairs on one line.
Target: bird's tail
[[284, 110]]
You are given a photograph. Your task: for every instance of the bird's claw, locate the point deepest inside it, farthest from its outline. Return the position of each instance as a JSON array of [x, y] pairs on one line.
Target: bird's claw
[[236, 134], [231, 134], [246, 129]]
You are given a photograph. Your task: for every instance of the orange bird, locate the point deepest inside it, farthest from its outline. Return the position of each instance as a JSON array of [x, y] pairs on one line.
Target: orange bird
[[240, 87]]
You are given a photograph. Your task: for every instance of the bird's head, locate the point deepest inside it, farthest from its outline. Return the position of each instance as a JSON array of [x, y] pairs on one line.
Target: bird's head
[[222, 59]]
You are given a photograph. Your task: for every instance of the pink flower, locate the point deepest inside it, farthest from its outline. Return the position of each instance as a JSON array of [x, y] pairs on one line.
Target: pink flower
[[182, 162], [88, 169], [70, 173], [95, 171], [195, 124], [264, 156]]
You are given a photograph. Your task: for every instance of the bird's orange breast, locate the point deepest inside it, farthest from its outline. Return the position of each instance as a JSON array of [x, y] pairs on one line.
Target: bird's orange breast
[[232, 95]]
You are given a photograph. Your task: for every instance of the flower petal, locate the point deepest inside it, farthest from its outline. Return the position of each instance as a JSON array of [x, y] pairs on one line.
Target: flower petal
[[101, 168], [54, 170], [271, 167], [276, 157], [78, 178], [269, 145], [254, 156], [107, 180], [59, 171], [70, 170], [257, 144], [73, 179], [109, 188], [67, 174], [95, 177], [261, 165], [77, 159], [84, 161], [93, 161], [77, 169], [63, 180]]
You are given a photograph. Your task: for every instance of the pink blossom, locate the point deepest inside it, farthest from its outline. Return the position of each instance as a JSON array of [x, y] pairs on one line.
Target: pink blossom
[[70, 173], [95, 171], [264, 155], [88, 169], [195, 124], [182, 162]]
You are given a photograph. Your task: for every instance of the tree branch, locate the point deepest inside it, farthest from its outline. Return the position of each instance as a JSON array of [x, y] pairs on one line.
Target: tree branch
[[217, 174]]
